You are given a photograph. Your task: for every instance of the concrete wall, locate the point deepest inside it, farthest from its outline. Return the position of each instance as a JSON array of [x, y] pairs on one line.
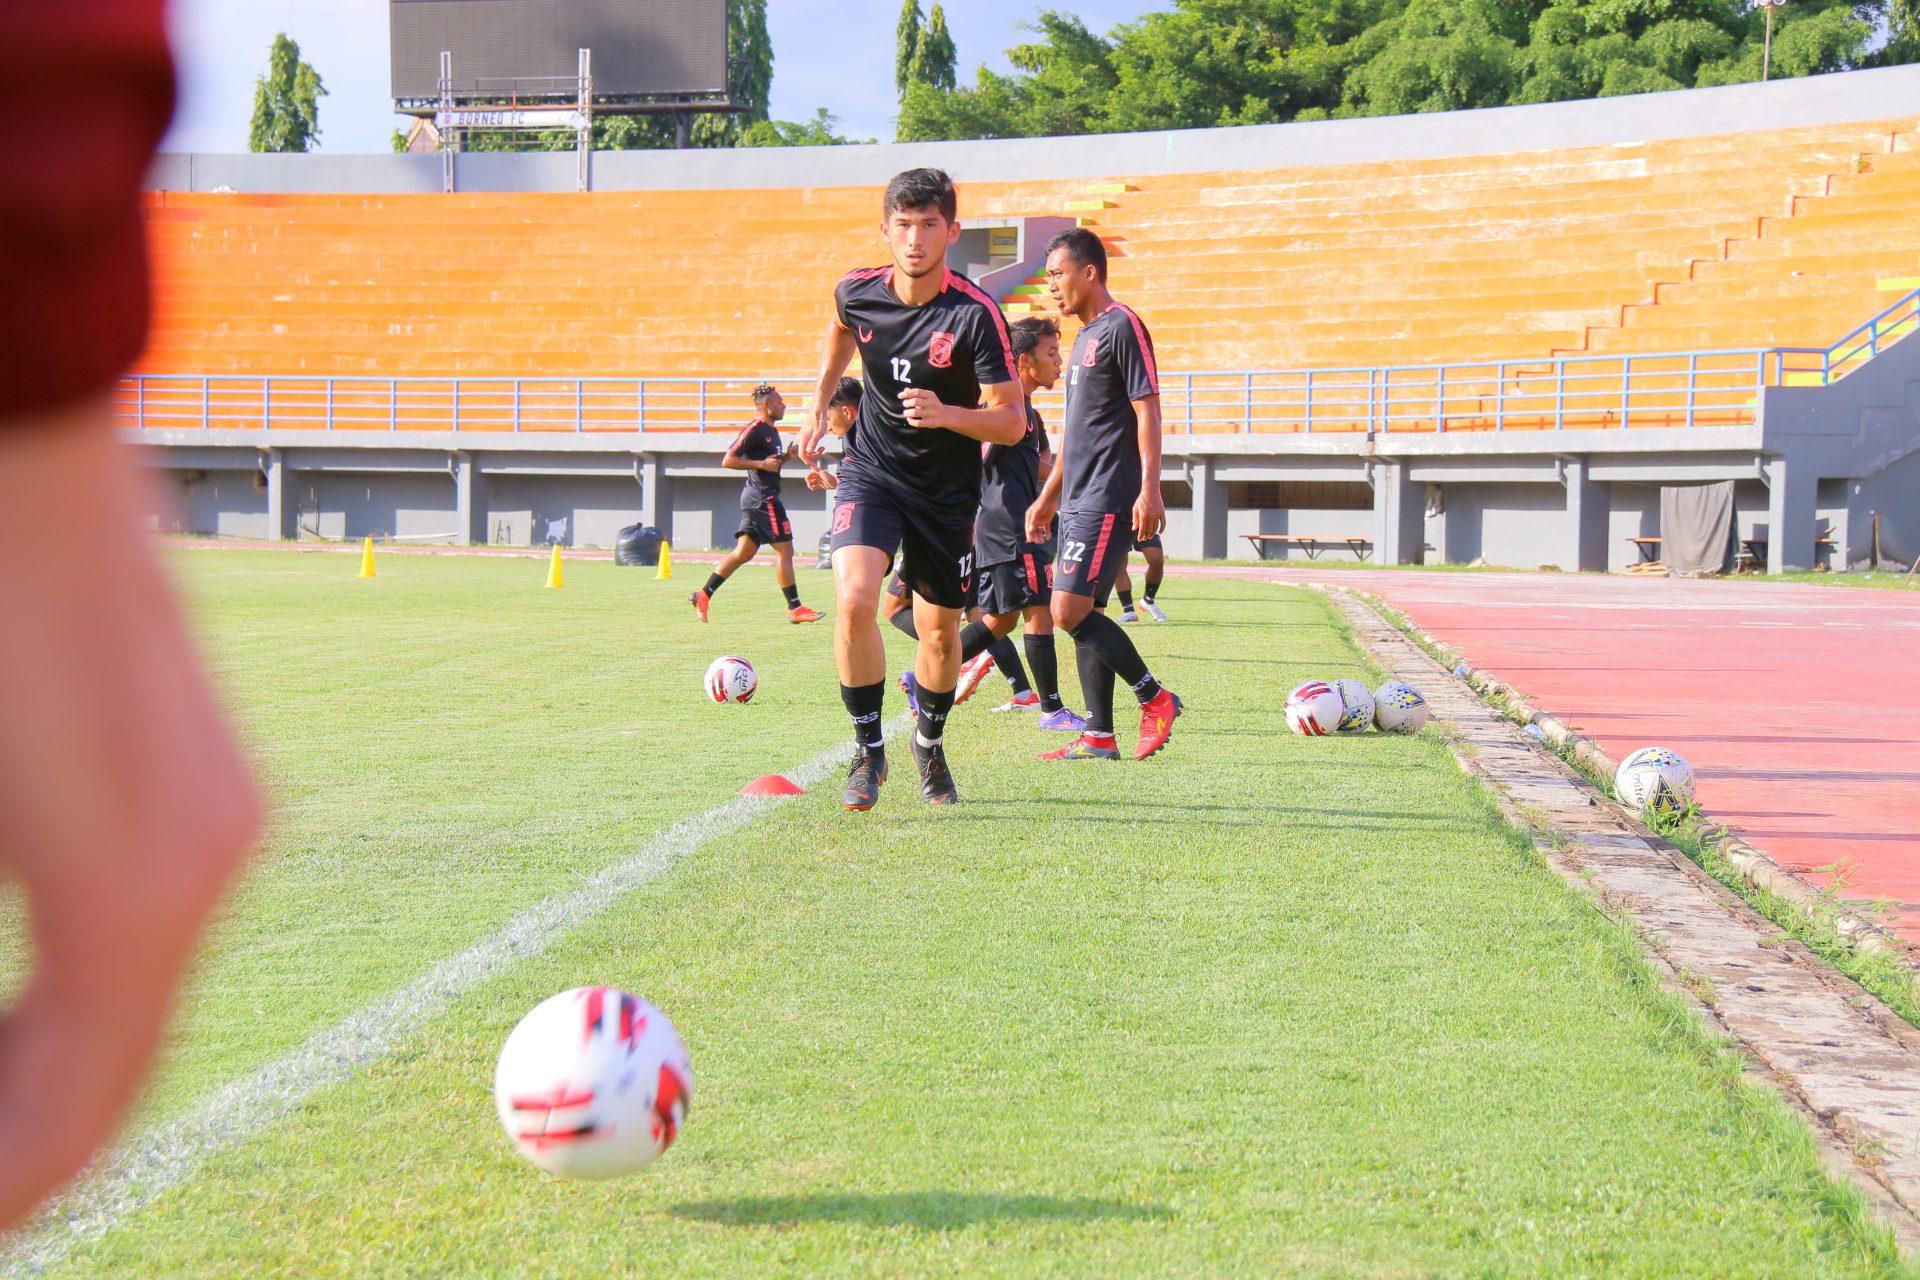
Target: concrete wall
[[1895, 494], [347, 504], [524, 511], [229, 504], [1521, 525], [1633, 511], [1855, 95]]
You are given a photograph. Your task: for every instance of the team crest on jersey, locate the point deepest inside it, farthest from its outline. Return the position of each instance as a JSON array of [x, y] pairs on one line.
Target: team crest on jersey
[[940, 350], [1093, 352]]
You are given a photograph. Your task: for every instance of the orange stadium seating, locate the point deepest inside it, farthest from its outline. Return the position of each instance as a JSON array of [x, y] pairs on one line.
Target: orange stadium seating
[[1781, 237]]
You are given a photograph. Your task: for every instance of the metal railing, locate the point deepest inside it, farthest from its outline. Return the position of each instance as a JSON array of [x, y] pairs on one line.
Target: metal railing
[[1676, 389]]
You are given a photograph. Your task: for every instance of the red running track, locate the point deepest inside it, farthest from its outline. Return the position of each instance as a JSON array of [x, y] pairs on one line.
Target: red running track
[[1798, 705]]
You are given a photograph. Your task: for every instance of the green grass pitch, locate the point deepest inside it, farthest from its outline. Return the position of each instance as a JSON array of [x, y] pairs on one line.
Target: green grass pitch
[[1263, 1005]]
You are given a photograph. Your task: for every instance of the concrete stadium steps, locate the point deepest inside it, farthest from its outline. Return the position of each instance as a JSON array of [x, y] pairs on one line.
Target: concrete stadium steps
[[1742, 239]]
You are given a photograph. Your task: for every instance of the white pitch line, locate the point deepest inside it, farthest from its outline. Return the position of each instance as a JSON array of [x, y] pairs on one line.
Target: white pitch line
[[129, 1178]]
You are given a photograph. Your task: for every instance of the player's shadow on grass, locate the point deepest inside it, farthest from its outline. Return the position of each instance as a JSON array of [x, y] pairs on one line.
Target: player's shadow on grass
[[927, 1210]]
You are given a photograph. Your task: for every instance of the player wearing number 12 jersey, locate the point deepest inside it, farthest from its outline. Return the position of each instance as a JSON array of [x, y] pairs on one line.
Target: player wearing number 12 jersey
[[1107, 491], [933, 347]]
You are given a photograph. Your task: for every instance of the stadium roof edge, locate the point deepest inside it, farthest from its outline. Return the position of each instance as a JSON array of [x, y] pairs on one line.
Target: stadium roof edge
[[1813, 100]]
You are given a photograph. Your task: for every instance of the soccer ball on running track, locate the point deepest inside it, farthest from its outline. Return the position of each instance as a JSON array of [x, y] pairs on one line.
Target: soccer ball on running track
[[732, 680], [1314, 709], [1654, 779], [593, 1083]]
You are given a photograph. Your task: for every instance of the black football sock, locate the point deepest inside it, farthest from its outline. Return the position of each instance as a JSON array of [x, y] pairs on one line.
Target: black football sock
[[933, 715], [1109, 639], [1126, 599], [863, 704], [1153, 590], [902, 619], [793, 595], [1096, 688], [1046, 669], [975, 639], [1007, 658], [714, 583]]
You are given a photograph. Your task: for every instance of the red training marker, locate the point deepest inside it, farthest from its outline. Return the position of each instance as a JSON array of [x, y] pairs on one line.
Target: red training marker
[[772, 784]]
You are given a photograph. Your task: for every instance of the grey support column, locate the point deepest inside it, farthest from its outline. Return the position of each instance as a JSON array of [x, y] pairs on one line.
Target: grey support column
[[1399, 515], [1792, 490], [656, 498], [470, 517], [279, 519], [1209, 511], [1586, 526]]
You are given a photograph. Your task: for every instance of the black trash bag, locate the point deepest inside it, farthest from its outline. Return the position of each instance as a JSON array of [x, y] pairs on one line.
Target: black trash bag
[[638, 544]]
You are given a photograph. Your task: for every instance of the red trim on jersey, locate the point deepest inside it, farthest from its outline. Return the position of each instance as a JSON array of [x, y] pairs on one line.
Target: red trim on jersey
[[1100, 547], [865, 273], [973, 291], [1146, 346], [742, 437]]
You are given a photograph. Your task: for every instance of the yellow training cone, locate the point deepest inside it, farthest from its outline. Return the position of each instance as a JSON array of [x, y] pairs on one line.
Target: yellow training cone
[[366, 560], [666, 562], [556, 577]]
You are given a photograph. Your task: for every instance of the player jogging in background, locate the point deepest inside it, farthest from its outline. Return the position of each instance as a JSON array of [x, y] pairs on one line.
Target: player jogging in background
[[763, 517], [1106, 490], [1156, 558], [940, 382], [843, 410]]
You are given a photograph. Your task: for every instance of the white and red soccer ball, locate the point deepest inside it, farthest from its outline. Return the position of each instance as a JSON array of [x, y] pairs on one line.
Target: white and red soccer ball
[[732, 680], [1314, 709], [1654, 779], [593, 1083]]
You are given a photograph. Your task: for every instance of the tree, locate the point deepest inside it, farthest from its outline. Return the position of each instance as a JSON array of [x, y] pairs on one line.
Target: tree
[[286, 101], [906, 46], [934, 58], [1221, 62], [817, 132]]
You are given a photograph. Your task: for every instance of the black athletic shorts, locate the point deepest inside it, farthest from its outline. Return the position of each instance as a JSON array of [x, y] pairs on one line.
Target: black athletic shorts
[[766, 523], [936, 555], [1093, 548], [1013, 585], [1141, 544]]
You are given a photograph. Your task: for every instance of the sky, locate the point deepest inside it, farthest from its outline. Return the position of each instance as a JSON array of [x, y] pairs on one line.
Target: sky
[[836, 54]]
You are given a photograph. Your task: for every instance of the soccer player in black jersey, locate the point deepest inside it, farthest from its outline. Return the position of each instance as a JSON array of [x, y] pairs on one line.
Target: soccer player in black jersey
[[843, 410], [763, 517], [940, 382], [1106, 490]]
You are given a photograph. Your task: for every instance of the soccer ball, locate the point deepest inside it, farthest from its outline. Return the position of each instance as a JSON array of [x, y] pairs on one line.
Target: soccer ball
[[1357, 703], [1654, 778], [1399, 708], [732, 680], [593, 1083], [1314, 709]]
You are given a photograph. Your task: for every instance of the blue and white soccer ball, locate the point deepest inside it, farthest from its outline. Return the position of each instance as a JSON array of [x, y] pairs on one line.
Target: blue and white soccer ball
[[1399, 708], [1654, 780], [1356, 701]]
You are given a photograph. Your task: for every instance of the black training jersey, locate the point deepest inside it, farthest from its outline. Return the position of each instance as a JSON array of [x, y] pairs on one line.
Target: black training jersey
[[953, 346], [1010, 483], [1111, 367], [757, 442]]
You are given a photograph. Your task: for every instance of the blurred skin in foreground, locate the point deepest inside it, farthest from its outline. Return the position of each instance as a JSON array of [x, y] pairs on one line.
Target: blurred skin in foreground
[[124, 806]]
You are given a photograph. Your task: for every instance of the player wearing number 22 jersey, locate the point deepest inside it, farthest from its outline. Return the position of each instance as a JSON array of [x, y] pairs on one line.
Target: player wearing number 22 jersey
[[1107, 491], [940, 382]]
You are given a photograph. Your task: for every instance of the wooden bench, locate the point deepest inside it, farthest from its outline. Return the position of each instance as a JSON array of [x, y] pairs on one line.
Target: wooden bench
[[1311, 543], [1649, 548]]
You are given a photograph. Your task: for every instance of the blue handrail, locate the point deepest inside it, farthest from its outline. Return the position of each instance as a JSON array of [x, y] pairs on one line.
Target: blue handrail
[[1683, 389]]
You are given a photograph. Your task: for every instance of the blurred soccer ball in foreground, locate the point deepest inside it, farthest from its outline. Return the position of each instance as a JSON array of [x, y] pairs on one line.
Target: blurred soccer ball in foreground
[[593, 1083]]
